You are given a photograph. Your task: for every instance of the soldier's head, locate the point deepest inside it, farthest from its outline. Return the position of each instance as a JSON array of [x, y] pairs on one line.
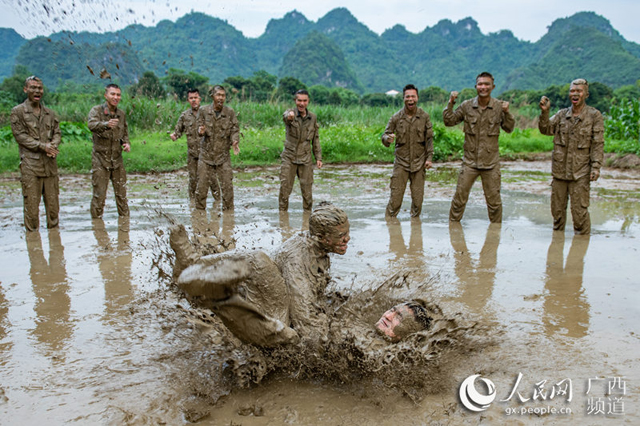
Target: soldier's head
[[578, 92], [301, 97], [402, 320], [193, 97], [34, 89], [485, 84], [112, 95], [219, 95], [410, 96], [330, 226]]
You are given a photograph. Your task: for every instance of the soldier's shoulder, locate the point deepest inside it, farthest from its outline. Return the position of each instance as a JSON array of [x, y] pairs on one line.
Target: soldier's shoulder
[[229, 110], [594, 111], [18, 109]]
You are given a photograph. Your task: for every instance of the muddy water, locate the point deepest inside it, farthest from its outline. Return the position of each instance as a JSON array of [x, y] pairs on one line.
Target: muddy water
[[91, 332]]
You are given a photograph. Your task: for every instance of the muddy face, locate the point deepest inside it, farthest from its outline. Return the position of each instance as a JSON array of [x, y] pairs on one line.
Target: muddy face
[[302, 101], [484, 87], [194, 100], [218, 99], [34, 90], [578, 94], [410, 100], [396, 322], [337, 240]]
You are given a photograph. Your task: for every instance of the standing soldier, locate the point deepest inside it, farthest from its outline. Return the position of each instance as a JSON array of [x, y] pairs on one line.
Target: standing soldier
[[301, 137], [110, 137], [219, 126], [187, 125], [483, 117], [578, 145], [37, 131], [411, 130]]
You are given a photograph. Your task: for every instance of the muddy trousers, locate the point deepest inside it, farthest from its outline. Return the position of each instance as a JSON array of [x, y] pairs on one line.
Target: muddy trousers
[[399, 180], [100, 178], [491, 186], [33, 189], [218, 179], [192, 168], [578, 191], [288, 173]]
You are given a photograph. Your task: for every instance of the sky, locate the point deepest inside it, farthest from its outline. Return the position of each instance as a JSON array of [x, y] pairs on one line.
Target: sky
[[527, 19]]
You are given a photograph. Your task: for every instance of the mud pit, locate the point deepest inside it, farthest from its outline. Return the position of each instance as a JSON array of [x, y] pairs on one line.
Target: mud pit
[[91, 333]]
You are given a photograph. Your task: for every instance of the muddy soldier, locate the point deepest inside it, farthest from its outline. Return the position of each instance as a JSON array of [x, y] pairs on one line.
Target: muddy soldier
[[37, 131], [282, 300], [219, 126], [411, 130], [110, 137], [302, 137], [483, 117], [578, 145], [187, 125]]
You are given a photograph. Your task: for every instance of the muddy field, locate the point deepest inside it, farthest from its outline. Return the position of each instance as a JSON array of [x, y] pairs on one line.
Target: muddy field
[[93, 332]]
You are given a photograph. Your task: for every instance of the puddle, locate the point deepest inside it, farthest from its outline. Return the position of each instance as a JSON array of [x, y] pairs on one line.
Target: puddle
[[92, 332]]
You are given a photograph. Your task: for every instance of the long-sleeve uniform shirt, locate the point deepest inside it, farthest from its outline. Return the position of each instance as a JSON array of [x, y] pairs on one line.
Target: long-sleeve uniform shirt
[[578, 142], [301, 137], [481, 130], [414, 139], [33, 133], [221, 131], [188, 125], [107, 142]]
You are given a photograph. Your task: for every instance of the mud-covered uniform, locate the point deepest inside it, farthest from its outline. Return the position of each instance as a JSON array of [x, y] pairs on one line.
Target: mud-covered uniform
[[38, 172], [414, 147], [106, 158], [578, 149], [481, 154], [187, 124], [301, 138], [214, 164]]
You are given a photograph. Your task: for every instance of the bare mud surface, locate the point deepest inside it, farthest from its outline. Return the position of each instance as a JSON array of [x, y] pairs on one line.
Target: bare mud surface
[[92, 330]]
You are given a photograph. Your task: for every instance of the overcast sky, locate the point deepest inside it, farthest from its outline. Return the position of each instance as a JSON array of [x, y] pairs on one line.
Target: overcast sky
[[527, 19]]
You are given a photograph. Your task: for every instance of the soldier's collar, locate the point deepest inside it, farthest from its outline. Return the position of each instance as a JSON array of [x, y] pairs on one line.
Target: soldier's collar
[[107, 111], [29, 108], [475, 104]]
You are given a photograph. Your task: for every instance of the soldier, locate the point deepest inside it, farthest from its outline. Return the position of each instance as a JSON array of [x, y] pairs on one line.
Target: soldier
[[301, 137], [219, 126], [187, 125], [411, 130], [37, 131], [110, 137], [578, 145], [483, 117]]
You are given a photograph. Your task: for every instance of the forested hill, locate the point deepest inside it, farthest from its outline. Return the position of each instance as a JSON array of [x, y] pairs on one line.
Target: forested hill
[[337, 50]]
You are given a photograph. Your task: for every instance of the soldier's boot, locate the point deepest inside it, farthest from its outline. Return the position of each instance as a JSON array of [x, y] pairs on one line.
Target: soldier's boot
[[185, 253]]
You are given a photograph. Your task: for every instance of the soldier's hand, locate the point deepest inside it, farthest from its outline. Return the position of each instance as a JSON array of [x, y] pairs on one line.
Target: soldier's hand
[[505, 106], [291, 116], [391, 138], [201, 130], [545, 104], [173, 136], [112, 123], [236, 148], [126, 147], [319, 164], [51, 150], [428, 164], [453, 96], [595, 174]]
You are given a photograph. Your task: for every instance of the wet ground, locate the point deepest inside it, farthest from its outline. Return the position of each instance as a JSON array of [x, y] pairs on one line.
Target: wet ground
[[92, 333]]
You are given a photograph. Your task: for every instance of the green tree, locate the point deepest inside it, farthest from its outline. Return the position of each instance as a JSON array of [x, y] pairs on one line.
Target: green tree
[[287, 86], [378, 100], [14, 85], [433, 94], [148, 86], [180, 82]]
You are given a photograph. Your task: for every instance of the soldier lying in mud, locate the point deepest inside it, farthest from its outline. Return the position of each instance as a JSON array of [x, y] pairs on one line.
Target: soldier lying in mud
[[268, 302]]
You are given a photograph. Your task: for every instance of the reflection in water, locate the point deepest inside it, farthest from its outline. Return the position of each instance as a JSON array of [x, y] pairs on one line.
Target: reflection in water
[[50, 286], [211, 233], [414, 252], [477, 279], [115, 265], [4, 309], [566, 309]]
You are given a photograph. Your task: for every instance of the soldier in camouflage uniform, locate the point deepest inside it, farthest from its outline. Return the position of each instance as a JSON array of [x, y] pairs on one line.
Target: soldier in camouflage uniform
[[219, 126], [301, 127], [483, 117], [110, 137], [578, 152], [187, 125], [37, 131], [411, 130]]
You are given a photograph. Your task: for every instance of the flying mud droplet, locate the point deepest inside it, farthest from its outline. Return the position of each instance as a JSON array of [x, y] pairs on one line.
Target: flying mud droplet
[[105, 74], [90, 70]]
